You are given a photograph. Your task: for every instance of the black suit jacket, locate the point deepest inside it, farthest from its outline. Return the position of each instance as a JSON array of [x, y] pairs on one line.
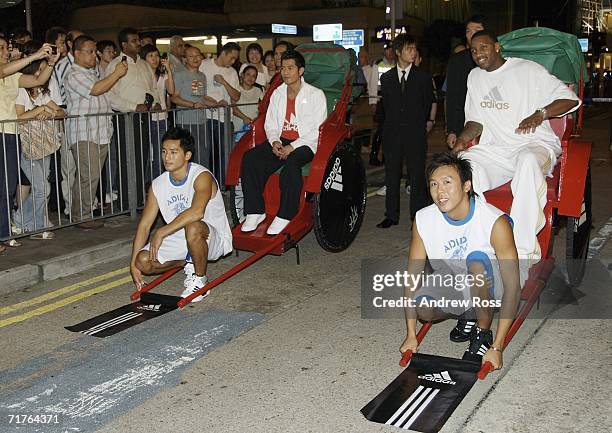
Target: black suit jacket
[[410, 109], [459, 67]]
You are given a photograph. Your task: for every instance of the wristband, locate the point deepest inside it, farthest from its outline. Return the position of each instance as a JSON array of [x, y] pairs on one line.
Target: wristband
[[495, 349], [543, 111]]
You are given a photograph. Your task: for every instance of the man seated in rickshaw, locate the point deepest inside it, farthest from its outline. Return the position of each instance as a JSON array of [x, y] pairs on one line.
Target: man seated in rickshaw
[[463, 237], [508, 104], [295, 113]]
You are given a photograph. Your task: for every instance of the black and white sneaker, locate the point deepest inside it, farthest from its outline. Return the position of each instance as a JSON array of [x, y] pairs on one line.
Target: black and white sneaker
[[466, 325], [480, 341]]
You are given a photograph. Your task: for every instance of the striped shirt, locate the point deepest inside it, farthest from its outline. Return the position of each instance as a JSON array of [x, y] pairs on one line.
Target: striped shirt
[[98, 129], [58, 79]]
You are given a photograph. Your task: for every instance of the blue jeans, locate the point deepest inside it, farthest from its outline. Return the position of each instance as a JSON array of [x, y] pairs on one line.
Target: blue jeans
[[32, 211], [8, 180]]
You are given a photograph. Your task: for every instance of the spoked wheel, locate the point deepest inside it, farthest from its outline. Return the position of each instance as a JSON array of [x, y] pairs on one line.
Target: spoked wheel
[[340, 206], [237, 203], [578, 235]]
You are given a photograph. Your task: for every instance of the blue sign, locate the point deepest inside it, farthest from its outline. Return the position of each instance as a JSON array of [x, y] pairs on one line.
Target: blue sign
[[353, 38], [584, 44], [284, 29]]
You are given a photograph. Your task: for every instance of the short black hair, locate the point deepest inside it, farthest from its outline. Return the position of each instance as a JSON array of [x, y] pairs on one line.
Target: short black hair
[[52, 34], [478, 19], [288, 45], [488, 33], [463, 167], [123, 34], [266, 54], [102, 45], [21, 32], [401, 41], [247, 67], [229, 47], [27, 50], [147, 35], [254, 46], [187, 142], [146, 50], [80, 41], [295, 55]]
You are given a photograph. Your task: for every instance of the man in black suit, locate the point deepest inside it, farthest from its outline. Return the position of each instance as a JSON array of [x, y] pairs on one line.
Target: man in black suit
[[407, 95]]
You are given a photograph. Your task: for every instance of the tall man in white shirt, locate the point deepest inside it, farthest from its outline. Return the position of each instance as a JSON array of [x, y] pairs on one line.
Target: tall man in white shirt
[[295, 113], [88, 136], [508, 103], [129, 95], [222, 86]]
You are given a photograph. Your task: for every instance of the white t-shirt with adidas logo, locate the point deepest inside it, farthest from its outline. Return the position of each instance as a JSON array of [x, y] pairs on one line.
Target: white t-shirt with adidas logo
[[501, 99]]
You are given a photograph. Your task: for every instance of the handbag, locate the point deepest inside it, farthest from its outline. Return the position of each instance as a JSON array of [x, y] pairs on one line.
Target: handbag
[[39, 138]]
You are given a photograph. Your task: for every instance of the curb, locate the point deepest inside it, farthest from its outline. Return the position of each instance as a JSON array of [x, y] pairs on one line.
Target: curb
[[22, 277]]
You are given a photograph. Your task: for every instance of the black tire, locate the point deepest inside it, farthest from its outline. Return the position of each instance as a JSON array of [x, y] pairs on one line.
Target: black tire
[[237, 204], [578, 235], [339, 207]]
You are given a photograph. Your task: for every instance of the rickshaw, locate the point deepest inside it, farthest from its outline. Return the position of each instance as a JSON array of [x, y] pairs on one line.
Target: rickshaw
[[333, 198], [569, 187]]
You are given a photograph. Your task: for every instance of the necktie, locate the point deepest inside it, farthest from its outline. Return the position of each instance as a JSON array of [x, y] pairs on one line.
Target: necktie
[[403, 81]]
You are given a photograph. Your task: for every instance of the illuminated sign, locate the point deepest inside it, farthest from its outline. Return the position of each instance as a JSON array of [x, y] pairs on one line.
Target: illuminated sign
[[352, 38], [284, 29], [584, 44], [326, 32], [383, 34]]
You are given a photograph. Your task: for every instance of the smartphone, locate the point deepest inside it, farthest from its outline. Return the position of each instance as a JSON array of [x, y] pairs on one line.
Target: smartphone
[[148, 101], [53, 50]]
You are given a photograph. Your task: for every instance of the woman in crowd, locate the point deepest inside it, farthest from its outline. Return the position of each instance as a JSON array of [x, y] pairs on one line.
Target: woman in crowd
[[269, 62], [255, 58], [163, 78], [249, 94], [35, 103], [10, 82]]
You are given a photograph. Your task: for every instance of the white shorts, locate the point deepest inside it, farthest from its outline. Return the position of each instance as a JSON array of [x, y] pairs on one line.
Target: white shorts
[[174, 247], [439, 291]]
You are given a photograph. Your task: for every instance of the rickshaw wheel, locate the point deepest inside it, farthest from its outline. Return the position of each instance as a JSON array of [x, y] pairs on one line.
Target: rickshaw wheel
[[339, 207], [578, 235], [237, 203]]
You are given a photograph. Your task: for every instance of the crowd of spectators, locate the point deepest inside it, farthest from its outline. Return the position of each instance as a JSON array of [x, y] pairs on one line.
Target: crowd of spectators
[[58, 97]]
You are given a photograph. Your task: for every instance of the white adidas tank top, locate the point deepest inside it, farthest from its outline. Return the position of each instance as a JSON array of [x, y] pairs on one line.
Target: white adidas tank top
[[173, 198], [452, 241]]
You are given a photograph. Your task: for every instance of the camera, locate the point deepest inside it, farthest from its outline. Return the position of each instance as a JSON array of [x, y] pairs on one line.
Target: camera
[[54, 50]]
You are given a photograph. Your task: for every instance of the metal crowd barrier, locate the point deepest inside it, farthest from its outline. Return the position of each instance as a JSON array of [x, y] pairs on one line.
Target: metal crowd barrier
[[40, 194]]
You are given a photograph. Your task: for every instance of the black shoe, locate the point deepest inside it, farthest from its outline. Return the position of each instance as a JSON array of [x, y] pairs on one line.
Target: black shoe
[[466, 325], [386, 223], [480, 341]]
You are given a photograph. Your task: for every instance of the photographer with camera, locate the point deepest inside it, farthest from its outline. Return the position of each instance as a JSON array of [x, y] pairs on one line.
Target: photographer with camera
[[10, 82], [89, 136]]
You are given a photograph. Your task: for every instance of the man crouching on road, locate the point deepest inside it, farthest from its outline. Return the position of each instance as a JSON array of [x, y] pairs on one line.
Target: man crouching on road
[[462, 235], [196, 230]]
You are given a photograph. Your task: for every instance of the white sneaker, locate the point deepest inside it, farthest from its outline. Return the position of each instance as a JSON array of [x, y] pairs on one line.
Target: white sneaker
[[110, 197], [189, 271], [277, 226], [67, 211], [252, 221], [194, 285], [382, 191]]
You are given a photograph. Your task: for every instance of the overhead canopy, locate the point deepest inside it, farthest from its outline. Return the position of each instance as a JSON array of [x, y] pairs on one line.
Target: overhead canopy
[[557, 51]]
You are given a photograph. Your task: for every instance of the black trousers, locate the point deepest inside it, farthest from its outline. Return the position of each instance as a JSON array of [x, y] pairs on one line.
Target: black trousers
[[401, 145], [259, 164], [140, 126]]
